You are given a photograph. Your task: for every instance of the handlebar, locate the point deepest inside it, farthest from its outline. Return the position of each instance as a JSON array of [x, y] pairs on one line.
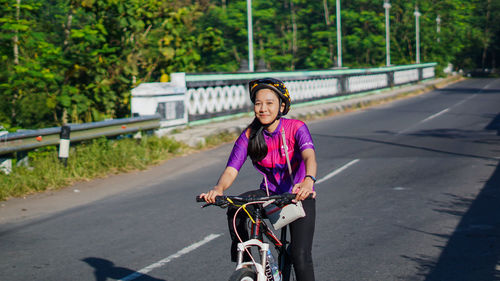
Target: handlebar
[[248, 199], [285, 198]]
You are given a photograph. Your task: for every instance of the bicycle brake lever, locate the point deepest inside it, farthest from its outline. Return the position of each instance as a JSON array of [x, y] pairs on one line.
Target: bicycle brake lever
[[206, 205]]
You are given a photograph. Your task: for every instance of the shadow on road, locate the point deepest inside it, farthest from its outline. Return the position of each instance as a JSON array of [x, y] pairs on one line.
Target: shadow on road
[[398, 144], [460, 88], [472, 251], [106, 270], [468, 91]]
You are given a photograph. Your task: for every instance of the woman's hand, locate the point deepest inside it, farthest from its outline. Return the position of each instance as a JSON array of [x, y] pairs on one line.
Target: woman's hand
[[211, 194], [303, 189], [226, 179]]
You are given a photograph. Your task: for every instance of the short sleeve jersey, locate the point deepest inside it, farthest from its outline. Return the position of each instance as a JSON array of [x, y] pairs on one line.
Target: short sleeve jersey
[[274, 166]]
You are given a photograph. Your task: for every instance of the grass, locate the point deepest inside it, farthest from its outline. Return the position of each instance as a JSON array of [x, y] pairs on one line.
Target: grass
[[87, 160], [215, 140]]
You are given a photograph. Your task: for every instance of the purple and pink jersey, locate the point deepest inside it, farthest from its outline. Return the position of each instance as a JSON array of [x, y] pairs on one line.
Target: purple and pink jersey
[[274, 166]]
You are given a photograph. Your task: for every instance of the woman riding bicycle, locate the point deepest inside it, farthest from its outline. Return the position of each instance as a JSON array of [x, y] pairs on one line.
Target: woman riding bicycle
[[263, 142]]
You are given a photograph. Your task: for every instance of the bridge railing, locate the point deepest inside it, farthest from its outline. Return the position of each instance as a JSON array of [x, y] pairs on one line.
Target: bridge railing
[[191, 97]]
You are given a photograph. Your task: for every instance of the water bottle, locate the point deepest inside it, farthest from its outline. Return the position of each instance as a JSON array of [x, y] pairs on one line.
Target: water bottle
[[273, 266]]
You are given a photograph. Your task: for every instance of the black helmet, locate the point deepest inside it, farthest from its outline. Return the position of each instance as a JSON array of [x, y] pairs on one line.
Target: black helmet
[[273, 84]]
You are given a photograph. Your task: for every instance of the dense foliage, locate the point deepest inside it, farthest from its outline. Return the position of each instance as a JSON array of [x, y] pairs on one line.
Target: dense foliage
[[76, 60]]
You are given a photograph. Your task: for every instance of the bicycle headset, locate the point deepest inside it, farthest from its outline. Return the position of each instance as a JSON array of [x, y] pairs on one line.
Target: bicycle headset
[[276, 86]]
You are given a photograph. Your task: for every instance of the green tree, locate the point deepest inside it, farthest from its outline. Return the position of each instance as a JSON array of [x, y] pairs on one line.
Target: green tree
[[76, 60]]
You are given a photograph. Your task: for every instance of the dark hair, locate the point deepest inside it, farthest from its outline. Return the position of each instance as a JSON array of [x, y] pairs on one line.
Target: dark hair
[[257, 146]]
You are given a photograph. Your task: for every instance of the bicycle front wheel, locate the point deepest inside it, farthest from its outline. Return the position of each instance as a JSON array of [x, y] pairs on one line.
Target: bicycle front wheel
[[243, 274]]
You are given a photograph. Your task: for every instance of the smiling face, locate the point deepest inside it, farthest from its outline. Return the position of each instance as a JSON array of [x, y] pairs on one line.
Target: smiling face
[[267, 106]]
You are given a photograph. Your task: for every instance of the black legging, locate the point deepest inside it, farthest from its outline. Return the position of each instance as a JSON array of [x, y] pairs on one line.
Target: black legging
[[301, 232]]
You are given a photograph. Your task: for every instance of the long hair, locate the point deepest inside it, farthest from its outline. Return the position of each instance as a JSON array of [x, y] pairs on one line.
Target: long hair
[[257, 146]]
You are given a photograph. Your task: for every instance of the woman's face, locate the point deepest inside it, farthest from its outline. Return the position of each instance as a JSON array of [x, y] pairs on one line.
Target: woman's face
[[267, 105]]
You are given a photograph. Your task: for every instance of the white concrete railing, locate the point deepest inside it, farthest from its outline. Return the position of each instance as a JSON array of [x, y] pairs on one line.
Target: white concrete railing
[[212, 95]]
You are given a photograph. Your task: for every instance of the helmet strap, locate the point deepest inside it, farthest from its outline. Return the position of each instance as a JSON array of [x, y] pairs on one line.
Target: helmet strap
[[280, 114]]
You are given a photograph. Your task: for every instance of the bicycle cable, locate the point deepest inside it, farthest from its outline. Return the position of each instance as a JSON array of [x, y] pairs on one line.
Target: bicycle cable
[[234, 224]]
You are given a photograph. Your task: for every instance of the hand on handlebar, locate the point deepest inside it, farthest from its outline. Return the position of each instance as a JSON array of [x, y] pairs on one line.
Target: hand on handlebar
[[303, 190], [210, 195]]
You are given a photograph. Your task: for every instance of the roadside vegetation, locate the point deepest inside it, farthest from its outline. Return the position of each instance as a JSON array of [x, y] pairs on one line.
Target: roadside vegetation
[[87, 161], [76, 61]]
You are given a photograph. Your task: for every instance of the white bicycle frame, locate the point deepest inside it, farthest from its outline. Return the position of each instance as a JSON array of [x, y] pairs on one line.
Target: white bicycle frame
[[259, 268]]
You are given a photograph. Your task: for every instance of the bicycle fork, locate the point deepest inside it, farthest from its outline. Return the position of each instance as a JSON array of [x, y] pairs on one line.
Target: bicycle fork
[[260, 268], [263, 270]]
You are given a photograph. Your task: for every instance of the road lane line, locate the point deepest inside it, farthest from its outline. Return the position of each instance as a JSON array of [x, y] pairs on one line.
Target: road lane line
[[446, 110], [435, 115], [170, 258], [338, 171], [425, 120]]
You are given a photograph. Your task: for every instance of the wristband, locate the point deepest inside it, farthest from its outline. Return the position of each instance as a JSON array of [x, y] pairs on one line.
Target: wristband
[[309, 176]]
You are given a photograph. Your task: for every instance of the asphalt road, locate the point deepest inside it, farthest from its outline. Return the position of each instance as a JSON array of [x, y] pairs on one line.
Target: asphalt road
[[407, 191]]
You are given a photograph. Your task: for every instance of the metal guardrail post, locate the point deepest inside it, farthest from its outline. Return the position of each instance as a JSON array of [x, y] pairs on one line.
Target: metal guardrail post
[[6, 164], [64, 141], [22, 159], [5, 160]]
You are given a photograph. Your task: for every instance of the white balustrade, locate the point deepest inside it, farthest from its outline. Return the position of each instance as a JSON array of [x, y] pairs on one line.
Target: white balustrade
[[205, 100], [366, 82], [428, 72], [312, 89], [405, 76]]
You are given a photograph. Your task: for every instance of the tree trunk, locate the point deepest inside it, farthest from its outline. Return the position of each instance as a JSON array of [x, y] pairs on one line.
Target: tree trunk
[[328, 24], [236, 56], [67, 28], [16, 36], [260, 42], [294, 36], [486, 38]]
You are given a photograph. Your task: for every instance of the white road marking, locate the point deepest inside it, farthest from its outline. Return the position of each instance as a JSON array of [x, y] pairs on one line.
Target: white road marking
[[425, 120], [435, 115], [338, 171], [170, 258], [446, 110]]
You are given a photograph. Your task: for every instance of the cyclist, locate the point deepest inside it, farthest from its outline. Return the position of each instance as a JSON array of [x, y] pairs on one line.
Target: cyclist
[[262, 141]]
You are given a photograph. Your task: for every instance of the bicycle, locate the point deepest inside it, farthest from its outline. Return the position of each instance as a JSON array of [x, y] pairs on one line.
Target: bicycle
[[263, 269]]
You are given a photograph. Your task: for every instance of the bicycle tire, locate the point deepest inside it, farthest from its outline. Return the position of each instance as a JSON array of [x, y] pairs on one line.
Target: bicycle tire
[[243, 274]]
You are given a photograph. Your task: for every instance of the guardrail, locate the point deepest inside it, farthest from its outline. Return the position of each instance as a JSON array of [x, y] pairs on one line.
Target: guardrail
[[28, 140], [31, 139]]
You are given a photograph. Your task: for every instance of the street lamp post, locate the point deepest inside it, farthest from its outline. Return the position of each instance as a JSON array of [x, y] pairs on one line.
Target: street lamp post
[[417, 31], [250, 36], [387, 6], [339, 36]]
